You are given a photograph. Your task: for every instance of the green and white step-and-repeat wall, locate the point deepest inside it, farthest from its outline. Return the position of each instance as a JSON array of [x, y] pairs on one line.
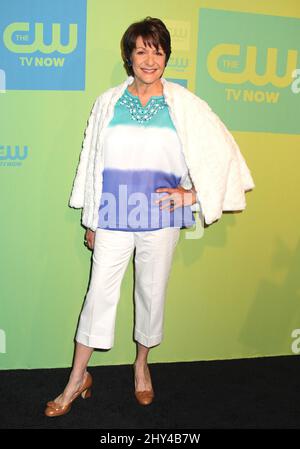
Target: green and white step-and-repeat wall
[[234, 292]]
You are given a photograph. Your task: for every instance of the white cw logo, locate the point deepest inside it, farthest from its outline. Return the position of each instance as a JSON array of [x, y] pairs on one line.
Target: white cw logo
[[16, 40]]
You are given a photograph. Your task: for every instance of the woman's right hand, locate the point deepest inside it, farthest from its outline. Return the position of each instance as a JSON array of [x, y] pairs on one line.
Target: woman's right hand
[[89, 238]]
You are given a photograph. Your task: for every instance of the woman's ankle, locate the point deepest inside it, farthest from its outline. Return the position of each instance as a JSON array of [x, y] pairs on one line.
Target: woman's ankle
[[141, 364], [77, 376]]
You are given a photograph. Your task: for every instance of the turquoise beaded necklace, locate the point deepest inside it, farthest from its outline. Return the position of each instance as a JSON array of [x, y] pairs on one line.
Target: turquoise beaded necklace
[[141, 113]]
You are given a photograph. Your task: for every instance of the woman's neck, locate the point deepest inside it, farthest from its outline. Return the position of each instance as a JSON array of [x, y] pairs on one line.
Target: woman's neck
[[144, 90]]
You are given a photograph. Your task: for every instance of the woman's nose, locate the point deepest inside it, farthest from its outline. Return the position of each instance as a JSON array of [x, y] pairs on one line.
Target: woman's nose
[[149, 60]]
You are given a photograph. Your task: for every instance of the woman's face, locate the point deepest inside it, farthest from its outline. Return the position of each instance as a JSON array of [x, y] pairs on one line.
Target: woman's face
[[148, 64]]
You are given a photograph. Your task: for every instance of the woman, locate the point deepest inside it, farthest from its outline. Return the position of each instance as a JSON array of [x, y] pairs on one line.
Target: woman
[[141, 168]]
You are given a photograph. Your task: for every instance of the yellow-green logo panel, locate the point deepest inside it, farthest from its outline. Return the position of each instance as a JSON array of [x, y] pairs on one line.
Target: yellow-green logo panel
[[246, 69]]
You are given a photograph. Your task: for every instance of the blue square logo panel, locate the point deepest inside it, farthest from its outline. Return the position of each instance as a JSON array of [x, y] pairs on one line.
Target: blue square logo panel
[[43, 44]]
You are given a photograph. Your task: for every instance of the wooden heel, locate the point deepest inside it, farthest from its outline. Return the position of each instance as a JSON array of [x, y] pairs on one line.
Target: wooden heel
[[86, 393]]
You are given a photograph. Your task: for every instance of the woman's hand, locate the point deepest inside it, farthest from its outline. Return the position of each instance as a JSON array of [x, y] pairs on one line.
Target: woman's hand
[[89, 238], [178, 197]]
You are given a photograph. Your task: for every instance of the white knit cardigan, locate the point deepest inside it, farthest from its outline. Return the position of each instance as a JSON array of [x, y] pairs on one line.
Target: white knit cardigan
[[216, 166]]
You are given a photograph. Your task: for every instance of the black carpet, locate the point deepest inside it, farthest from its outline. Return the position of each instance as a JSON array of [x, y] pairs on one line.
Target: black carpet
[[260, 393]]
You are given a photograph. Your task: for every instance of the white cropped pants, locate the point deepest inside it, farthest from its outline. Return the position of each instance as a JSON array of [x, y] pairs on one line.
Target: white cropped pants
[[152, 263]]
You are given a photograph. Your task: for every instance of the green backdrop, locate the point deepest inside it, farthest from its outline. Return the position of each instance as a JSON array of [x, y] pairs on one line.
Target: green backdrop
[[233, 293]]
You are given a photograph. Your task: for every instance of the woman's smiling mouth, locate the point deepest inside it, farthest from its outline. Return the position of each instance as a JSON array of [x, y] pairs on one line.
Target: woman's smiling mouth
[[149, 70]]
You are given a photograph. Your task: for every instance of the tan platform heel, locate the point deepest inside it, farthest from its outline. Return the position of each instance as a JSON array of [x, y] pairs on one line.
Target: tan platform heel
[[55, 409]]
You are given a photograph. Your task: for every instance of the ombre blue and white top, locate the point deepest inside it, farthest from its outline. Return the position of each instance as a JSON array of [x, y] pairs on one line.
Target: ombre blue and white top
[[142, 152]]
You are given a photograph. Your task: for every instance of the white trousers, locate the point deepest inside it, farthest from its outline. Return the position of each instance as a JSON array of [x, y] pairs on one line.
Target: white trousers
[[152, 263]]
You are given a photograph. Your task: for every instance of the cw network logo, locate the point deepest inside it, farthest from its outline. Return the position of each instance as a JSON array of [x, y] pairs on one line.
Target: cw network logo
[[180, 64], [247, 76], [21, 44], [48, 50], [221, 67], [13, 155], [180, 32]]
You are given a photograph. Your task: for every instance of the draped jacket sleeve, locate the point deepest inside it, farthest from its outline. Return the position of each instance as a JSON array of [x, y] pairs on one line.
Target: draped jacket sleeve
[[78, 189]]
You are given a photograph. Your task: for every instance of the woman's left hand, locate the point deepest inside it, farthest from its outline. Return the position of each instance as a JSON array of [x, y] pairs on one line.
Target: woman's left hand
[[176, 197]]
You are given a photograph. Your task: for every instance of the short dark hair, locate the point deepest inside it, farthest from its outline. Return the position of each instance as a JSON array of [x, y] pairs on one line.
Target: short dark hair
[[153, 32]]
